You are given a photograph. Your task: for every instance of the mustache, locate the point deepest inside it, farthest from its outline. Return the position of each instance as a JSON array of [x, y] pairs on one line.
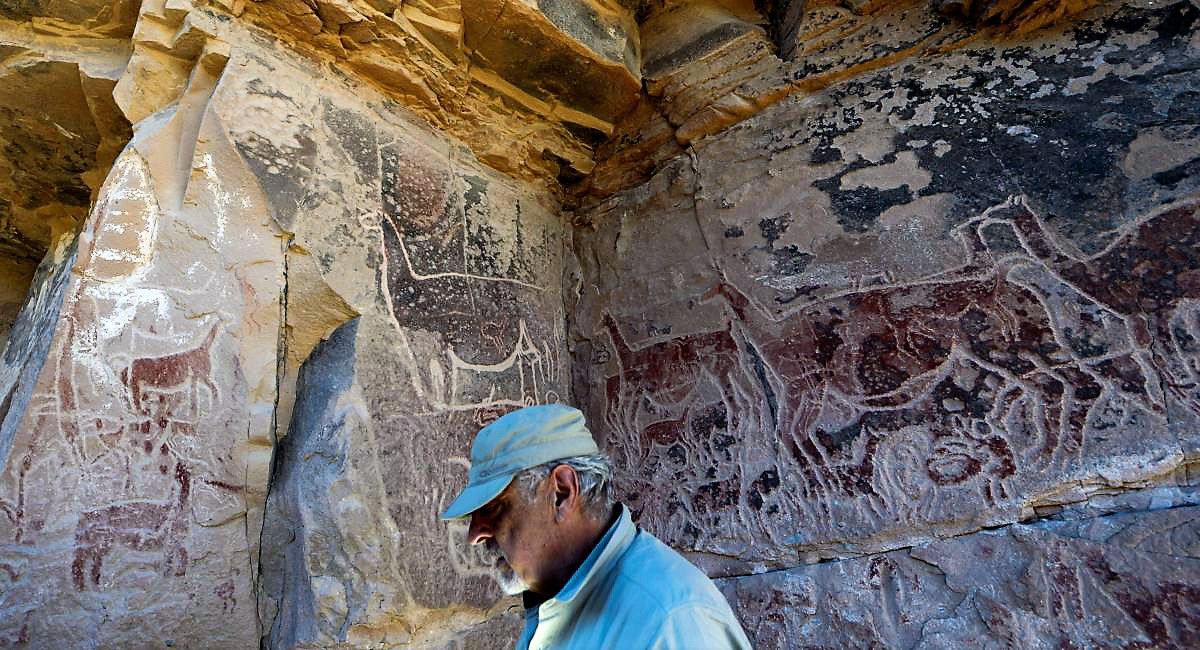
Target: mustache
[[489, 554]]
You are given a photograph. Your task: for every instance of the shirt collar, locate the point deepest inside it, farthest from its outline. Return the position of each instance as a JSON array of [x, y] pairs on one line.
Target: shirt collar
[[598, 562]]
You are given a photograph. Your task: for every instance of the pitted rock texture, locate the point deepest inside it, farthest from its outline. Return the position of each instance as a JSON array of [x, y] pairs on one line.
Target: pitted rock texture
[[1125, 580], [710, 64], [928, 298]]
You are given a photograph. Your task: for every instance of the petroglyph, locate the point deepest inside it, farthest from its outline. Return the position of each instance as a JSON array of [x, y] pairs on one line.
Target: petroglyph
[[666, 374], [139, 526], [1148, 276], [188, 369], [430, 219], [896, 396]]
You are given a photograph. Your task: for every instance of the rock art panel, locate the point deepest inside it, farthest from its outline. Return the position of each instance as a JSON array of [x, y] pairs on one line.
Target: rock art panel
[[263, 207], [911, 270], [436, 283], [872, 315], [127, 498]]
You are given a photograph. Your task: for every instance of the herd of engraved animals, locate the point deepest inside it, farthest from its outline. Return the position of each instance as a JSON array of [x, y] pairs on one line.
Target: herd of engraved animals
[[872, 360], [166, 394], [164, 397]]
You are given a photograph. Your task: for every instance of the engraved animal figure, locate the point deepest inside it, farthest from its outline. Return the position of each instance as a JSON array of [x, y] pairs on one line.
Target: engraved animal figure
[[171, 371], [225, 592], [425, 242], [968, 451], [137, 525], [453, 304], [514, 381], [883, 350], [667, 372], [1149, 270], [473, 315]]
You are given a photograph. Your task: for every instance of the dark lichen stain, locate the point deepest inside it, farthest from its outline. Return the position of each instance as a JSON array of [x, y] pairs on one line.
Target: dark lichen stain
[[786, 260], [284, 184], [356, 136], [982, 160]]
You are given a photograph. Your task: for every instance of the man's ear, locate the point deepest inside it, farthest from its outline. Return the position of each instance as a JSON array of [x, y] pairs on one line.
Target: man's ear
[[564, 482]]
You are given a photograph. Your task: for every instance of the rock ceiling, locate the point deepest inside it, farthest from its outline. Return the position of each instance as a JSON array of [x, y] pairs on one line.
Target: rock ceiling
[[541, 90]]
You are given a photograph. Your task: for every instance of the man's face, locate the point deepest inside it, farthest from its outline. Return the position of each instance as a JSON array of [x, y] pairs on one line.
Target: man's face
[[516, 536]]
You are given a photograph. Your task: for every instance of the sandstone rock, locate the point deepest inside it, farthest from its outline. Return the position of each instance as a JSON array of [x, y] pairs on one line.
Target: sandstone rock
[[1037, 586], [1012, 16], [134, 444], [887, 311], [552, 76], [62, 131], [705, 60], [837, 345], [451, 275]]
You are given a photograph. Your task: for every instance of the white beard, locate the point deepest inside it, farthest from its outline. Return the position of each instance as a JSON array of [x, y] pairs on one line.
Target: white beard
[[510, 583], [498, 568]]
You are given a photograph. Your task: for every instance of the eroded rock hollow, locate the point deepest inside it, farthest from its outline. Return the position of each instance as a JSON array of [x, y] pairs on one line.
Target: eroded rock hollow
[[887, 312]]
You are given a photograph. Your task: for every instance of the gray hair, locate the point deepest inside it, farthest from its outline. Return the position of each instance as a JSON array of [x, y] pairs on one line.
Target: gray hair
[[595, 482]]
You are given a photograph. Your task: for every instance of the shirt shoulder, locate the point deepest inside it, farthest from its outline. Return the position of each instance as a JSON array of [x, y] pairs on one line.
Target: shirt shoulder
[[663, 578], [652, 597]]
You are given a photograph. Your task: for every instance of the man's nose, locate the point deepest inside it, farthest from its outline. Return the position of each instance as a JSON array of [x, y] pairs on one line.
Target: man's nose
[[480, 530]]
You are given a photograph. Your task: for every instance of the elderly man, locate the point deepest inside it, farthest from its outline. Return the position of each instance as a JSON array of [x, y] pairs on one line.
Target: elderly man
[[539, 496]]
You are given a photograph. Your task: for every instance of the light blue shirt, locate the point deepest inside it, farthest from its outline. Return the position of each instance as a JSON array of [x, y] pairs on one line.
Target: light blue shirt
[[633, 591]]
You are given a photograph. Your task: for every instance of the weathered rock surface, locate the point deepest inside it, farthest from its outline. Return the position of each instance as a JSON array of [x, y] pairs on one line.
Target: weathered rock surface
[[128, 484], [1124, 580], [452, 275], [935, 295], [61, 132], [530, 87], [259, 207], [888, 312]]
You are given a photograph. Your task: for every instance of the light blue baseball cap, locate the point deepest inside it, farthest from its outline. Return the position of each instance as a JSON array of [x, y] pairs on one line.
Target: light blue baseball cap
[[517, 441]]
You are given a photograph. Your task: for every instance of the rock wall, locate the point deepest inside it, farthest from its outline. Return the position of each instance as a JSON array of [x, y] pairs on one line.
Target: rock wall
[[888, 312], [154, 384], [947, 284], [448, 277]]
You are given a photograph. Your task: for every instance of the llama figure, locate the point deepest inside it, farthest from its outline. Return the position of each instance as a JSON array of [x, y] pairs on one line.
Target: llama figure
[[171, 371], [137, 525]]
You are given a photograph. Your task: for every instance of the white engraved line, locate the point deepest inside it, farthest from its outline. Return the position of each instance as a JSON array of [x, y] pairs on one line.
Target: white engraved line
[[453, 274], [407, 357]]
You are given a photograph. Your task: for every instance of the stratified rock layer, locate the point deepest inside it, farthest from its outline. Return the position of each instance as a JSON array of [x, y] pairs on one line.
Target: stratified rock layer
[[1124, 580]]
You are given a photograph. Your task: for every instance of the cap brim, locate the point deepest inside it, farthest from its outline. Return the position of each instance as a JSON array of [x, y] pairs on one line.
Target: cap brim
[[474, 497]]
